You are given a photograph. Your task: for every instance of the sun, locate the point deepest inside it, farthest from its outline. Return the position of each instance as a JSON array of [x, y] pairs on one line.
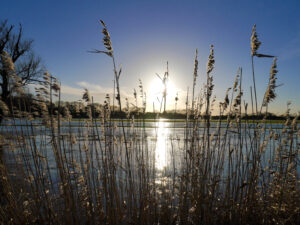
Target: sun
[[155, 93]]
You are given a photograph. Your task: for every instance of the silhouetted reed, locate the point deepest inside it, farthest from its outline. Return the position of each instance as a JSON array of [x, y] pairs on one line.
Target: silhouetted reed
[[55, 170]]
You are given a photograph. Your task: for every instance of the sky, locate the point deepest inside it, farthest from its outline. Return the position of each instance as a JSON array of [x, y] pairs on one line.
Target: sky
[[147, 34]]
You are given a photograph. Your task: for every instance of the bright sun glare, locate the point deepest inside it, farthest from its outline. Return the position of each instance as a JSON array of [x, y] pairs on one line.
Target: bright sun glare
[[160, 150], [156, 89]]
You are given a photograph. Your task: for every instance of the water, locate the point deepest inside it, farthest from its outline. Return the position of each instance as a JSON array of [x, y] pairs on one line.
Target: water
[[165, 142]]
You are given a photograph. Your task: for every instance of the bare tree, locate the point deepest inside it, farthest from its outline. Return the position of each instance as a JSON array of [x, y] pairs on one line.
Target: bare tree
[[27, 66]]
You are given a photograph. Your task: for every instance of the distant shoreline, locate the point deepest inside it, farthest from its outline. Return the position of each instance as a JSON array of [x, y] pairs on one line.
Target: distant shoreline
[[274, 121]]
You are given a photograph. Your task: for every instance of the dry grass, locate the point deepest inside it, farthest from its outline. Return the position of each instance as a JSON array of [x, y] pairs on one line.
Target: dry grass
[[105, 173]]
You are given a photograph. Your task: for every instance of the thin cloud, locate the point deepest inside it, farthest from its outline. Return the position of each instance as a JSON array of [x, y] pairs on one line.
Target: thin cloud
[[95, 88], [97, 91]]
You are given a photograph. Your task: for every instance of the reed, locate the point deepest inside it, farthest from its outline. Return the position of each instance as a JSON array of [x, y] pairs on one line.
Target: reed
[[104, 171]]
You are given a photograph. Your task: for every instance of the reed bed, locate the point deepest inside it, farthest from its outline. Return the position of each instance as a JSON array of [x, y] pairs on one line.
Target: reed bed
[[106, 172]]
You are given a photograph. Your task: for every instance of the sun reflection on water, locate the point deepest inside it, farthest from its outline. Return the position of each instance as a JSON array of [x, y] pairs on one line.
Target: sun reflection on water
[[161, 148]]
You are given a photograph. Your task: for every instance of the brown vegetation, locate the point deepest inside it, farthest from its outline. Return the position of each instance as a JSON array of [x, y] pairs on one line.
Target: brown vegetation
[[105, 173]]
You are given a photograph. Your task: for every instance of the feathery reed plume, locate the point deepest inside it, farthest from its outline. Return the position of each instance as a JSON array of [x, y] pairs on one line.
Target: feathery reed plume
[[194, 80], [236, 81], [135, 99], [56, 85], [255, 43], [211, 60], [92, 173], [210, 67], [134, 93], [14, 82], [7, 63], [106, 41], [66, 113], [209, 89], [86, 96], [142, 96], [226, 100], [106, 38], [3, 109], [270, 94], [196, 65], [108, 45], [238, 98]]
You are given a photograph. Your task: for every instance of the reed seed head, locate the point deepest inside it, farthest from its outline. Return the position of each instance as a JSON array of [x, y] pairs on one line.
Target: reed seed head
[[270, 94], [211, 60], [86, 95], [7, 63], [255, 43]]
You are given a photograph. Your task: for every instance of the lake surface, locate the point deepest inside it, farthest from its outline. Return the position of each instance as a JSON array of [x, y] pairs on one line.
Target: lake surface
[[164, 141]]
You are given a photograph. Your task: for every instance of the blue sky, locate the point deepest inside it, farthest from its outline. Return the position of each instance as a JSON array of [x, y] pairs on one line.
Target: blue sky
[[146, 34]]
